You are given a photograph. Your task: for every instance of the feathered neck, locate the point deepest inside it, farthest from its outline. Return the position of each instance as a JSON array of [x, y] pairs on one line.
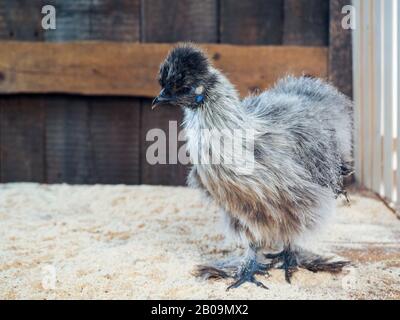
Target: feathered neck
[[221, 110]]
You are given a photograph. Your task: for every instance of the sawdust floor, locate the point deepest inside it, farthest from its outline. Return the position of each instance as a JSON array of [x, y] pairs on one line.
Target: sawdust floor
[[140, 242]]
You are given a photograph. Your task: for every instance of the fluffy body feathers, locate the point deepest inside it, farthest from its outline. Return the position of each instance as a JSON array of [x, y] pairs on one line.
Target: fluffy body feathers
[[303, 139]]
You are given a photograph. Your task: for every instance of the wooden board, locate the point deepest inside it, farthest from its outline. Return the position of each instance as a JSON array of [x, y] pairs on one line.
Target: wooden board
[[22, 124], [99, 68], [306, 22], [22, 139], [251, 22], [76, 20], [179, 20], [92, 141], [67, 140], [114, 126], [340, 50], [100, 20], [85, 139], [341, 60], [21, 20]]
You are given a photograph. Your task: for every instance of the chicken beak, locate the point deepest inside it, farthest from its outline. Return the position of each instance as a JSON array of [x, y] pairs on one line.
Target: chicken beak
[[155, 103], [161, 99]]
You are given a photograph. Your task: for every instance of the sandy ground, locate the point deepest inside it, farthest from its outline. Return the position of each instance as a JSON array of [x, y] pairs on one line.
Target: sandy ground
[[140, 242]]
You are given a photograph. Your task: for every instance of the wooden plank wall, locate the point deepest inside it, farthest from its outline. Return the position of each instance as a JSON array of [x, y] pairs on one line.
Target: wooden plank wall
[[71, 139], [127, 69], [81, 139]]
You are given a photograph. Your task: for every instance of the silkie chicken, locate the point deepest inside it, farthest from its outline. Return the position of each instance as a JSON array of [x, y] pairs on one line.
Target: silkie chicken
[[301, 152]]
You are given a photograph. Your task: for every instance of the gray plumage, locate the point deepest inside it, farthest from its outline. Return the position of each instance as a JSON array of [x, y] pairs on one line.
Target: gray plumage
[[302, 149]]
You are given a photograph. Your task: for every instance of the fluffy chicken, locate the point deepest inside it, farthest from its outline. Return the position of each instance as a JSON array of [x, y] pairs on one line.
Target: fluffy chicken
[[299, 154]]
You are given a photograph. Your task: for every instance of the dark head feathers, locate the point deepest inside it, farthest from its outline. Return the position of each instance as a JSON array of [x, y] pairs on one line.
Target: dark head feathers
[[184, 65], [186, 77]]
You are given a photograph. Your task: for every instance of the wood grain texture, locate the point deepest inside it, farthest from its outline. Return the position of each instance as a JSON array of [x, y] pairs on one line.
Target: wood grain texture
[[92, 141], [22, 139], [306, 22], [251, 22], [130, 69], [340, 50], [114, 125], [76, 20], [179, 20], [22, 124], [67, 140], [96, 20], [21, 20]]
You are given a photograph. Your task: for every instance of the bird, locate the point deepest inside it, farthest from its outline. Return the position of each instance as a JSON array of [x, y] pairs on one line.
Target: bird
[[299, 154]]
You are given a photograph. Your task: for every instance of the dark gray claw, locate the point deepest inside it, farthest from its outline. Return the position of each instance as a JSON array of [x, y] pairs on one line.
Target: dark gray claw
[[287, 260], [290, 260], [247, 273], [289, 264], [251, 279]]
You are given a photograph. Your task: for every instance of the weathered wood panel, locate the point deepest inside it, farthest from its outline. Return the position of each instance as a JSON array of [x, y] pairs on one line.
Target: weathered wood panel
[[340, 50], [87, 139], [22, 139], [92, 141], [306, 22], [22, 117], [76, 20], [21, 20], [96, 20], [114, 126], [67, 140], [130, 69], [251, 22], [179, 20], [340, 55]]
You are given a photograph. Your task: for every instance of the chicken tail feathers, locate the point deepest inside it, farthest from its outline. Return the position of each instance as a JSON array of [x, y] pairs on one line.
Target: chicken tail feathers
[[315, 263]]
